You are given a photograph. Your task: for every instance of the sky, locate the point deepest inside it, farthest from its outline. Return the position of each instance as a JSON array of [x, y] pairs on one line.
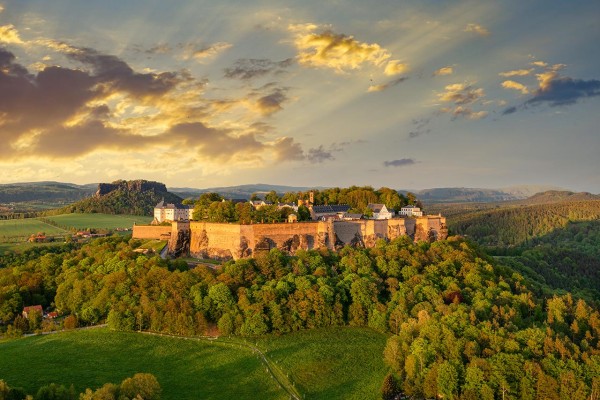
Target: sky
[[403, 94]]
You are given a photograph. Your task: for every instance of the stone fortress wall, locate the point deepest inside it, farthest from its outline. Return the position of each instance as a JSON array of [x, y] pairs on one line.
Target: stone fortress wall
[[234, 241]]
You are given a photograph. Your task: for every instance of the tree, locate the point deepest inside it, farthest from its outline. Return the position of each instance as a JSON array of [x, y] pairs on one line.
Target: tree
[[390, 389], [303, 213], [142, 385], [272, 197]]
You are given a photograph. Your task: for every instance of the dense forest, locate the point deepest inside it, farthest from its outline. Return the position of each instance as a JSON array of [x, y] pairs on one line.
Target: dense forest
[[461, 325], [554, 245], [512, 226]]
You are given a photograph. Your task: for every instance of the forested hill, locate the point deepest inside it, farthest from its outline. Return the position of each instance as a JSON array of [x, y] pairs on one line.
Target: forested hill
[[460, 325], [136, 197], [555, 245], [516, 225]]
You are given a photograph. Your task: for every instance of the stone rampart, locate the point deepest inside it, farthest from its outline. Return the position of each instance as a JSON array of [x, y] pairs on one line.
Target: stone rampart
[[234, 241]]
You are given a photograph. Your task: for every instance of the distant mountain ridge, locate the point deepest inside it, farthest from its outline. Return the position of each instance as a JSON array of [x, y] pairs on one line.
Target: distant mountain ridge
[[44, 191], [69, 192], [241, 191], [479, 195]]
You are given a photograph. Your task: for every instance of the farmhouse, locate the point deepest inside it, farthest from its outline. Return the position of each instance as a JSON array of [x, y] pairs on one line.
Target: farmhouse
[[28, 310]]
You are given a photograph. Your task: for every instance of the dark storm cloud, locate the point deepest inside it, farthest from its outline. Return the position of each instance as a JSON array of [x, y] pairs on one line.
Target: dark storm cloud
[[564, 91], [110, 69], [249, 68], [399, 163]]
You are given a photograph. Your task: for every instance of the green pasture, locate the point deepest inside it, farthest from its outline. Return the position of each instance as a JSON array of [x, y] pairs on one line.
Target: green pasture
[[185, 369], [23, 228], [332, 363], [99, 221]]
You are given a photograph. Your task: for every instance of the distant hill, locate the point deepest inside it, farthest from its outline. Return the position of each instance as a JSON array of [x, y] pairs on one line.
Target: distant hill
[[240, 191], [515, 224], [136, 197], [478, 195], [44, 192], [555, 196]]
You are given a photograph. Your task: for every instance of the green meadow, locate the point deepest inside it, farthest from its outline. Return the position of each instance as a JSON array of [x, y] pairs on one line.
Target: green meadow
[[99, 221], [337, 363], [185, 369], [15, 228]]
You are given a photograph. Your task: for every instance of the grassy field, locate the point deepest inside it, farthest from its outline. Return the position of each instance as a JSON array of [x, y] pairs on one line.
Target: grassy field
[[99, 221], [341, 363], [333, 363], [185, 369], [20, 228]]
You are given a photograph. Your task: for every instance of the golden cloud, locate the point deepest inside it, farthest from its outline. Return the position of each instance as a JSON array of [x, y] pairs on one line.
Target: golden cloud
[[444, 71], [515, 86], [336, 51], [464, 96], [9, 35], [204, 53], [395, 67], [542, 64], [477, 29], [461, 93], [516, 72]]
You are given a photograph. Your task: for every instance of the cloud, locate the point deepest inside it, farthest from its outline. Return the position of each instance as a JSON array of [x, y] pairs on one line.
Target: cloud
[[336, 51], [449, 70], [464, 96], [465, 112], [271, 103], [542, 64], [509, 110], [161, 48], [461, 93], [477, 29], [515, 86], [392, 83], [112, 71], [557, 90], [517, 72], [319, 155], [285, 149], [249, 68], [210, 51], [402, 162], [395, 67], [9, 35], [1, 8], [420, 127]]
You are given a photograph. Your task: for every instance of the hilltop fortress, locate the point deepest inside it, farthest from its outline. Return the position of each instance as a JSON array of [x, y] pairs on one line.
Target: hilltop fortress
[[233, 241]]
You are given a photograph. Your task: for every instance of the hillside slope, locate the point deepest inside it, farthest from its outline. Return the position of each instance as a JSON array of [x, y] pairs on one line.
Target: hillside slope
[[136, 197]]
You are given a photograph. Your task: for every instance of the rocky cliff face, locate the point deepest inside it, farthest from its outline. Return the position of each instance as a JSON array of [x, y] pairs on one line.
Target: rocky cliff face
[[139, 185]]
